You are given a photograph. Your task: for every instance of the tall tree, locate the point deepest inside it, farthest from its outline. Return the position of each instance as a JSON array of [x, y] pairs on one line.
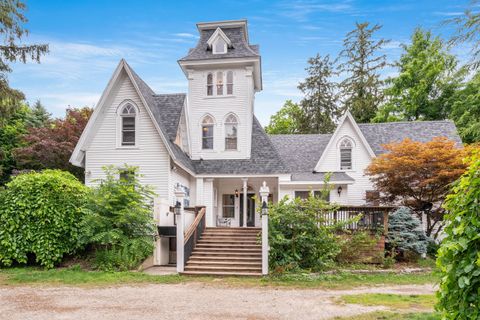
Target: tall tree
[[51, 147], [466, 110], [39, 117], [319, 105], [286, 120], [418, 175], [427, 80], [468, 31], [362, 63], [12, 32]]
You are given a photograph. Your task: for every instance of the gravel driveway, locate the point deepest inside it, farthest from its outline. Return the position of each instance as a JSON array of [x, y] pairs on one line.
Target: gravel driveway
[[182, 301]]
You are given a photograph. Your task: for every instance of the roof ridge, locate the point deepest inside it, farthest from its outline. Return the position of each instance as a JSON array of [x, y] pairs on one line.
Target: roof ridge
[[169, 94], [285, 167], [404, 122]]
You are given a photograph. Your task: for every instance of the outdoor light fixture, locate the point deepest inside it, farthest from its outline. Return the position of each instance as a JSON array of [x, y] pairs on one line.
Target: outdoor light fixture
[[236, 193], [339, 190], [264, 208], [177, 210]]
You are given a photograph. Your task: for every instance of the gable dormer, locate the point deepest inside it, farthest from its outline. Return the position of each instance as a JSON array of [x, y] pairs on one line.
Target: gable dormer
[[219, 42]]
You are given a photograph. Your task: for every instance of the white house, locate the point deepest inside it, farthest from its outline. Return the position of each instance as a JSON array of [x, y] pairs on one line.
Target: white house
[[209, 143]]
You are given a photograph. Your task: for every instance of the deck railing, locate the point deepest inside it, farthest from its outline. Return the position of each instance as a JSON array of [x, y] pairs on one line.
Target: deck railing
[[194, 232], [373, 218]]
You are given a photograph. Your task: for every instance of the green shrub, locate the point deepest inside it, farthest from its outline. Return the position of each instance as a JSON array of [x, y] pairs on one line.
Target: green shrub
[[459, 253], [118, 220], [299, 238], [40, 215], [405, 233]]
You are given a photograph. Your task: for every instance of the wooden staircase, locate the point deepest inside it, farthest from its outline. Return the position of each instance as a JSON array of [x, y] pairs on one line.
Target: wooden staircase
[[227, 252]]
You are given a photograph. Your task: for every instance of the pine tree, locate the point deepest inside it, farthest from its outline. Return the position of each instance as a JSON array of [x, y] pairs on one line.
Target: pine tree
[[405, 232], [39, 116], [320, 109], [12, 32], [362, 87]]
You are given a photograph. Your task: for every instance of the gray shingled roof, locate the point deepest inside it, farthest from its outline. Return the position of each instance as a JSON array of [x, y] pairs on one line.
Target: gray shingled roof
[[423, 131], [301, 152], [239, 49], [264, 158], [167, 109]]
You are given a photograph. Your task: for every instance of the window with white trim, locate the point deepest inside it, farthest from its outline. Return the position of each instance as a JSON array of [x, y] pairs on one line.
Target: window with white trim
[[207, 133], [228, 206], [229, 82], [231, 129], [346, 147], [223, 83], [219, 46], [210, 84], [128, 115]]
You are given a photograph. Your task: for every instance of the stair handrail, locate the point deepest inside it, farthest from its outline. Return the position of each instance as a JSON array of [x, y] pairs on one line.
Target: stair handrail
[[194, 225]]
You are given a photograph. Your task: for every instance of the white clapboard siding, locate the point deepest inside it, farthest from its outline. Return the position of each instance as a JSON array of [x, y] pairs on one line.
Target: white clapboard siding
[[240, 103], [360, 161], [150, 154]]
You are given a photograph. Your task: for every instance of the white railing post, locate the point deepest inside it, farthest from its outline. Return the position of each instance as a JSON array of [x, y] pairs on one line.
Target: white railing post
[[180, 217], [264, 192]]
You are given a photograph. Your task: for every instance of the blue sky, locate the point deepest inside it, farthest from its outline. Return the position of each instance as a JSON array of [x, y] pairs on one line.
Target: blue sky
[[88, 38]]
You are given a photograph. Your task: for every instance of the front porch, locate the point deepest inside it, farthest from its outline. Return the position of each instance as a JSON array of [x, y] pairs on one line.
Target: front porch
[[233, 201]]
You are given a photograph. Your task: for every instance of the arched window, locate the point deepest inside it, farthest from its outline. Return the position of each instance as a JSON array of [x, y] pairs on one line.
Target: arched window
[[220, 46], [128, 115], [209, 84], [346, 154], [207, 133], [219, 83], [231, 126], [230, 82]]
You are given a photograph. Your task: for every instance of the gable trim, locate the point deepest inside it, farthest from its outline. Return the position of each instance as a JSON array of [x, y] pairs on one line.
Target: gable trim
[[215, 35], [357, 130]]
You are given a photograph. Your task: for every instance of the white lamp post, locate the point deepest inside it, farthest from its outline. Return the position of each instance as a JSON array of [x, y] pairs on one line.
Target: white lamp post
[[264, 192]]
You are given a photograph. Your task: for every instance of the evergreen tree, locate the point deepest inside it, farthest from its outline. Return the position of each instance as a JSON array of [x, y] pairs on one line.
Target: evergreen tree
[[405, 232], [12, 32], [286, 120], [427, 80], [39, 117], [361, 62], [320, 109]]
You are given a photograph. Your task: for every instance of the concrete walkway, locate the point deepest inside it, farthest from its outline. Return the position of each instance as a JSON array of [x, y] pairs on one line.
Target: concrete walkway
[[183, 301]]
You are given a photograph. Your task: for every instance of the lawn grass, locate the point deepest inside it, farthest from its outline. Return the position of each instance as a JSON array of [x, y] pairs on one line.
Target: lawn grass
[[393, 301], [386, 315], [76, 276]]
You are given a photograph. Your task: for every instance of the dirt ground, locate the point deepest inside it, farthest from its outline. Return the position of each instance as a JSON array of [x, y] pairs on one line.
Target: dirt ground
[[183, 301]]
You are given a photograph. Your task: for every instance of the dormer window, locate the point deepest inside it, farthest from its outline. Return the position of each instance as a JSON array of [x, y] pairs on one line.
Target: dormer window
[[219, 46], [346, 146], [128, 115]]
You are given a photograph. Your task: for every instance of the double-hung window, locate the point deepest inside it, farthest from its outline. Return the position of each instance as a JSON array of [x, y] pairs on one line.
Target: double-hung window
[[128, 115]]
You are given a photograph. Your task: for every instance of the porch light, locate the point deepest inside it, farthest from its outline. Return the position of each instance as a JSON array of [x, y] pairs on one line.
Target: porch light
[[339, 190], [264, 208], [236, 193], [177, 210]]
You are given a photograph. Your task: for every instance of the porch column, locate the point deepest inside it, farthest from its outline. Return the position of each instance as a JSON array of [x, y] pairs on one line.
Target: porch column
[[210, 216], [245, 187]]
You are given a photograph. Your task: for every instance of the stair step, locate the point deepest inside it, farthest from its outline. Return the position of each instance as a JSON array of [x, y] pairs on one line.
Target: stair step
[[229, 250], [215, 241], [228, 245], [222, 274], [226, 254], [234, 228], [223, 263], [226, 258], [226, 269]]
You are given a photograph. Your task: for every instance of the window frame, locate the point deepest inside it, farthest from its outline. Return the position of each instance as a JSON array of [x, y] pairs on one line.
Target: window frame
[[207, 122], [228, 206], [341, 149], [219, 83], [210, 84], [135, 114], [215, 43], [231, 120]]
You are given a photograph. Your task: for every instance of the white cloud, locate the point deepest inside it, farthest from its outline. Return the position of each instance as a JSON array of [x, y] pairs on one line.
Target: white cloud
[[301, 9], [186, 35]]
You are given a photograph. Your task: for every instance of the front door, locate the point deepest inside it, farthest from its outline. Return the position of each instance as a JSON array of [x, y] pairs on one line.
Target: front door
[[250, 210]]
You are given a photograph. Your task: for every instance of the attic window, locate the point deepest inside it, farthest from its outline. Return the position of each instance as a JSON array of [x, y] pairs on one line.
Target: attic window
[[346, 147], [128, 121], [219, 46]]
